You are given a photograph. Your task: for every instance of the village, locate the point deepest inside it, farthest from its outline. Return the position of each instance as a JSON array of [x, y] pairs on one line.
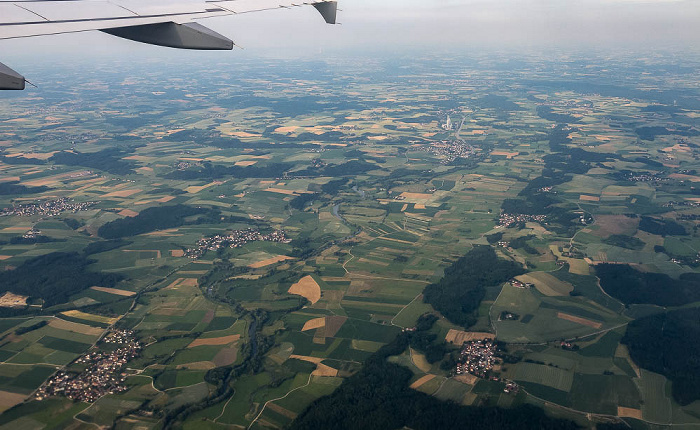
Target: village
[[49, 208], [450, 150], [508, 220], [236, 239], [103, 374], [477, 357]]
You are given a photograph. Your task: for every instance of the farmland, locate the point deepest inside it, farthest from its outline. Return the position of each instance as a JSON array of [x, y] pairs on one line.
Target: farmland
[[271, 242]]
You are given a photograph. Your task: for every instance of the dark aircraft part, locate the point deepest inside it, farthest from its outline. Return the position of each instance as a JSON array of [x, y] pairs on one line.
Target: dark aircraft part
[[9, 79], [170, 34], [329, 10]]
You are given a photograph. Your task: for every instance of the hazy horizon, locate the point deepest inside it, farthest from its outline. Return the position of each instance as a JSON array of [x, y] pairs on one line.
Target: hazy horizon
[[411, 25]]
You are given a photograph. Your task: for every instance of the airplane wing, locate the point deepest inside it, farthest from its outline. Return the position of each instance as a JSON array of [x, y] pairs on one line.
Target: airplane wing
[[169, 23]]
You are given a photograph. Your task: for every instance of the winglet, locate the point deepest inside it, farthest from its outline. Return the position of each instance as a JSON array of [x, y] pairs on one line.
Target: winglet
[[329, 10], [9, 79]]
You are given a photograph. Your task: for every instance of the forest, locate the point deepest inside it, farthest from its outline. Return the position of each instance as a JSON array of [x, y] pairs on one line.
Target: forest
[[458, 294], [632, 286], [667, 343], [151, 219], [54, 277]]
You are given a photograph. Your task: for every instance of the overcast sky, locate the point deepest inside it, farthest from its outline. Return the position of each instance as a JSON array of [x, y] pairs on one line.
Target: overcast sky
[[398, 25]]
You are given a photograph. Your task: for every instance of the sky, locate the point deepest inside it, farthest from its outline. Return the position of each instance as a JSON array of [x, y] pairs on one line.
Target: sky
[[396, 26]]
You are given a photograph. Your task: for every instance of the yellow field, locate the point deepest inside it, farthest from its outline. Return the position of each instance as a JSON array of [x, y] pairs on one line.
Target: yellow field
[[467, 378], [116, 291], [419, 360], [89, 317], [508, 155], [458, 337], [8, 400], [421, 381], [269, 261], [128, 213], [547, 284], [579, 320], [307, 287], [122, 193], [195, 189], [10, 300], [75, 327], [629, 413], [586, 198], [215, 341], [314, 324], [324, 370]]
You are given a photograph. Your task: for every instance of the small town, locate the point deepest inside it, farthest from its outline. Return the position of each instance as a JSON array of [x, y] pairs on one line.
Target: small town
[[477, 357], [508, 220], [102, 376], [236, 239], [48, 208], [450, 150]]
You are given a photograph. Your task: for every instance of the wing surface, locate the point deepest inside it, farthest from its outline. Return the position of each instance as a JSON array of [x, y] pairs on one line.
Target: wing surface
[[42, 17], [156, 22]]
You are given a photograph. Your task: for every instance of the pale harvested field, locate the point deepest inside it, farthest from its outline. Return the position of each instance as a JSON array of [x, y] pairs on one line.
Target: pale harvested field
[[324, 370], [579, 320], [315, 360], [623, 412], [283, 191], [314, 324], [128, 213], [165, 199], [75, 327], [197, 365], [307, 287], [10, 300], [684, 177], [288, 129], [547, 284], [8, 400], [5, 257], [177, 253], [586, 198], [508, 155], [416, 196], [467, 378], [89, 317], [419, 360], [458, 337], [172, 232], [245, 163], [193, 189], [421, 381], [122, 193], [215, 341], [116, 291], [269, 261]]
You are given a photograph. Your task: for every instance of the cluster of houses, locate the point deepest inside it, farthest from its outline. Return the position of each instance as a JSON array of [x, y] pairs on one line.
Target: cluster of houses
[[235, 239], [508, 220], [103, 374], [477, 357], [48, 208], [520, 284], [450, 150]]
